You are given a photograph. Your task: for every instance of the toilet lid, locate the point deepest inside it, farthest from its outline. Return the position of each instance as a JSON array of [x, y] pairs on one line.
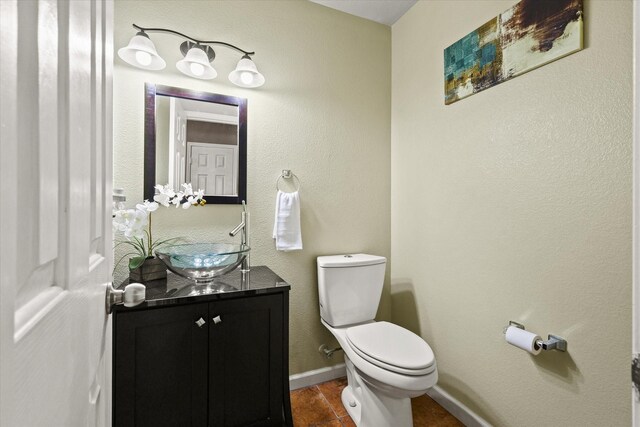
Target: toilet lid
[[392, 347], [349, 260]]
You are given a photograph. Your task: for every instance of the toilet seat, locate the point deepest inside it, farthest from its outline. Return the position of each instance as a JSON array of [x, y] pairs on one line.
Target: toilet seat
[[392, 347]]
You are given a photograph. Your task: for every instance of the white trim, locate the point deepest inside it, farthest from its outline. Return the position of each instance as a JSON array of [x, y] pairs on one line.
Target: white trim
[[9, 166], [456, 408], [317, 376], [444, 399], [202, 116], [635, 400]]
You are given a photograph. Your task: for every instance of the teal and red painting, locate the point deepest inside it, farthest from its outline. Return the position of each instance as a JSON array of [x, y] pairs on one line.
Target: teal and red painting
[[530, 34]]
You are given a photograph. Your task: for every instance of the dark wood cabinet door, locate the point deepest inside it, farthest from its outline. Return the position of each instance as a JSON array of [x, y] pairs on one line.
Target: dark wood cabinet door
[[246, 361], [161, 367]]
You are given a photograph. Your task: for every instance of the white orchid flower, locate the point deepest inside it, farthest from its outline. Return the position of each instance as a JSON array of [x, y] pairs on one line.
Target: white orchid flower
[[163, 199], [121, 216], [147, 206], [188, 203], [119, 221], [131, 222], [188, 190], [140, 218], [118, 216], [169, 191], [134, 232], [135, 224], [166, 190]]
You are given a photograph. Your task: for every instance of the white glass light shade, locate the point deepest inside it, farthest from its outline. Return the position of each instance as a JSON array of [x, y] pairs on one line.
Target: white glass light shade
[[141, 53], [246, 74], [196, 64]]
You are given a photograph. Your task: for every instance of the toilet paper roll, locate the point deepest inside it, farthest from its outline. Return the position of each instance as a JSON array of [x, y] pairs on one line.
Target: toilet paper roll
[[523, 339]]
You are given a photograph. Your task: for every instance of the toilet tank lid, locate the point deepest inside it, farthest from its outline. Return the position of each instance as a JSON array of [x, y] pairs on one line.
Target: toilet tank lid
[[349, 260]]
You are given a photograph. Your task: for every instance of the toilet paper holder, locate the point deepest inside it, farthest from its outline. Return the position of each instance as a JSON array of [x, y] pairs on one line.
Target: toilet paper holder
[[553, 342]]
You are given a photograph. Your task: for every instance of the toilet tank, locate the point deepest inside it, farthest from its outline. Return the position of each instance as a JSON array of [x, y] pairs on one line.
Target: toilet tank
[[349, 287]]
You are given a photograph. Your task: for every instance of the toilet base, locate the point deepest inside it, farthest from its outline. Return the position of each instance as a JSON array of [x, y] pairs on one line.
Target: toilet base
[[351, 404], [371, 407]]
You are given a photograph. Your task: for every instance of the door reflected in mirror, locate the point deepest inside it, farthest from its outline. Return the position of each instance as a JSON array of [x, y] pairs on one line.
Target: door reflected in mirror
[[198, 138], [197, 142]]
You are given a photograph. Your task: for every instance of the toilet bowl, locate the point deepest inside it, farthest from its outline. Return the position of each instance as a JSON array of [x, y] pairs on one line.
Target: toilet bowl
[[386, 364]]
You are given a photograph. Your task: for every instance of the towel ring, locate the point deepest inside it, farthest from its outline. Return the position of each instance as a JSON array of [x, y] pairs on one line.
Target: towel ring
[[287, 174]]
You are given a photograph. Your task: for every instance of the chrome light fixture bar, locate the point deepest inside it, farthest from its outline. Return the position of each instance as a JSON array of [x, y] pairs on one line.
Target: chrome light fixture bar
[[198, 55]]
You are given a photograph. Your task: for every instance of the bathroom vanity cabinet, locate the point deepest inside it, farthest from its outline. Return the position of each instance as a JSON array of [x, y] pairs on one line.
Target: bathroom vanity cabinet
[[219, 359]]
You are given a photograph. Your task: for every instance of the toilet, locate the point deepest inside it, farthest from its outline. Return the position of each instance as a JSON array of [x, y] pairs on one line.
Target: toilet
[[386, 364]]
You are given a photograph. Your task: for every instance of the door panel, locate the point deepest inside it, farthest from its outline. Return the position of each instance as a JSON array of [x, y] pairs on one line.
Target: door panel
[[212, 167], [56, 244]]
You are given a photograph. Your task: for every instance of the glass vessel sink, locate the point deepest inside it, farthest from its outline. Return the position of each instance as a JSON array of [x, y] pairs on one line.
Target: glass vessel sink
[[203, 262]]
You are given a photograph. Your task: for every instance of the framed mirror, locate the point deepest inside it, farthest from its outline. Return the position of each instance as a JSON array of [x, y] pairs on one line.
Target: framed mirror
[[196, 137]]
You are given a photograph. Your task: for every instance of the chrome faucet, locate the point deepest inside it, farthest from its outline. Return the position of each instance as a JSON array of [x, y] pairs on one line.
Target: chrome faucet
[[244, 237]]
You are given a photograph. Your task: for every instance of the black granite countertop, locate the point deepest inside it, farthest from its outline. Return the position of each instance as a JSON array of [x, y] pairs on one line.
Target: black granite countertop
[[176, 290]]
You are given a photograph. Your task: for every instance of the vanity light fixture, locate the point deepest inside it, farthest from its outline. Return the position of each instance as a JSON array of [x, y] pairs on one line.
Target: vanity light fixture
[[198, 55], [246, 74], [197, 61], [141, 53]]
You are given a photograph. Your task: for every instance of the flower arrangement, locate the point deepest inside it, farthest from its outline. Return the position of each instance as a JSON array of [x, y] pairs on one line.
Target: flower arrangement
[[135, 224]]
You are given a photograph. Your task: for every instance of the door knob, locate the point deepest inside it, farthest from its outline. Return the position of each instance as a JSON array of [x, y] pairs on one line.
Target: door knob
[[200, 322], [131, 296], [217, 320]]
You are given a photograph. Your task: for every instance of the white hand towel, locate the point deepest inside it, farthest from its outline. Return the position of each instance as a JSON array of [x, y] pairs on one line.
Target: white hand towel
[[286, 228]]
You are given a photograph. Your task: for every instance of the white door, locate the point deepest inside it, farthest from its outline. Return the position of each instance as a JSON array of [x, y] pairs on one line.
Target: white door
[[55, 245], [177, 143], [212, 168], [635, 399]]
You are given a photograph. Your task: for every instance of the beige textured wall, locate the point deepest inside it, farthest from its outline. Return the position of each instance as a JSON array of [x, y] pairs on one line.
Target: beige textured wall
[[324, 113], [515, 204]]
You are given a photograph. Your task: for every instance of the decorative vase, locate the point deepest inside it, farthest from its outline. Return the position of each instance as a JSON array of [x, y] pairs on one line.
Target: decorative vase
[[151, 269]]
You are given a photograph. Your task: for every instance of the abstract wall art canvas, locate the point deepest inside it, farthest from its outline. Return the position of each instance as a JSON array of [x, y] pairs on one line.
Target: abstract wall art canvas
[[530, 34]]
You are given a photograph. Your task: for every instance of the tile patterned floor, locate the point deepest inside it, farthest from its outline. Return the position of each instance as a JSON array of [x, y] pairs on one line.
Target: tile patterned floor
[[320, 406]]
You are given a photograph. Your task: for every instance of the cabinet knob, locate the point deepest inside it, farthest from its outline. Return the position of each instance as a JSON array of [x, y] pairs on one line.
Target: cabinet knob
[[217, 320], [200, 322]]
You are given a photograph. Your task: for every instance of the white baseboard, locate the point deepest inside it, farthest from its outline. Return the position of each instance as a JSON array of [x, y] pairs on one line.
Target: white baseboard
[[317, 376], [456, 408]]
